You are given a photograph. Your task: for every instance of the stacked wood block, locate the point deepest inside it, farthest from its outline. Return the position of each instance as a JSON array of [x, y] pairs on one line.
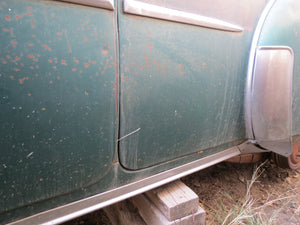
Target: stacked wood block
[[174, 203]]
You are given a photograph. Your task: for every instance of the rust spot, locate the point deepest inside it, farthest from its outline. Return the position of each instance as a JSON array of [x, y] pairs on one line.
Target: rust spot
[[74, 69], [6, 30], [51, 82], [86, 93], [29, 8], [18, 16], [30, 56], [16, 59], [31, 67], [47, 47], [58, 78], [30, 44], [23, 79], [141, 68], [37, 67], [29, 94], [147, 64], [38, 55], [14, 43], [132, 63], [154, 62], [32, 26], [63, 62], [50, 60], [86, 65], [43, 109], [104, 52], [4, 62], [150, 45], [7, 18], [54, 67], [180, 65], [59, 34], [16, 69], [76, 61], [33, 36], [94, 62], [8, 56], [204, 64], [135, 83], [12, 77]]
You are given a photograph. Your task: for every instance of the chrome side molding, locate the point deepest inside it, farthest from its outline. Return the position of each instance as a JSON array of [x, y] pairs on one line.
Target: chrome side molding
[[106, 4], [271, 98], [159, 12]]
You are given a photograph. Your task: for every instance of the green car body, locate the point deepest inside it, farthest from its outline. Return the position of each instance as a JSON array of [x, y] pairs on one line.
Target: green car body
[[102, 100]]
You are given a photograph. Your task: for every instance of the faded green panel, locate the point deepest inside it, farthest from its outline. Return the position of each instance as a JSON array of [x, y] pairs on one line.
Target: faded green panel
[[58, 99], [182, 89], [282, 27]]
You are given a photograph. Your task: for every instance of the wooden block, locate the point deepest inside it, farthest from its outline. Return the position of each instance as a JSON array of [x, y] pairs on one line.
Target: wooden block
[[124, 213], [153, 216], [174, 200]]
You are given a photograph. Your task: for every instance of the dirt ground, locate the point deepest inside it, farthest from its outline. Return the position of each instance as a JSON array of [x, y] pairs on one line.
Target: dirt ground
[[224, 193], [274, 197]]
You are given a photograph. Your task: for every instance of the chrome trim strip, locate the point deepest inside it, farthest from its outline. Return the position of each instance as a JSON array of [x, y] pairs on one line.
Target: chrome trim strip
[[106, 4], [82, 207], [249, 81], [159, 12]]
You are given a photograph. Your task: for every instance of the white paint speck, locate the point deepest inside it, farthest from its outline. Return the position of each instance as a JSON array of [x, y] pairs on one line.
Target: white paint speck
[[30, 154]]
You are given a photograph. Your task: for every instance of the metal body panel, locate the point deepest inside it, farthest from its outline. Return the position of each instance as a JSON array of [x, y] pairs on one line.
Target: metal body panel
[[58, 100], [249, 81], [282, 28], [181, 87], [182, 94]]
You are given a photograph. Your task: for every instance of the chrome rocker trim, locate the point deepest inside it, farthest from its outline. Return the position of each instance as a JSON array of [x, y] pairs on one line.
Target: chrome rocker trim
[[159, 12], [88, 205]]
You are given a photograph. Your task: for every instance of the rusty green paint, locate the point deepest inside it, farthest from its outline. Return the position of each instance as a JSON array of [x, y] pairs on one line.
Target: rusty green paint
[[58, 99]]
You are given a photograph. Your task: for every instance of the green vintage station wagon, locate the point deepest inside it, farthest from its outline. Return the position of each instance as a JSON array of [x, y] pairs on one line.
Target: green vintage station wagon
[[102, 100]]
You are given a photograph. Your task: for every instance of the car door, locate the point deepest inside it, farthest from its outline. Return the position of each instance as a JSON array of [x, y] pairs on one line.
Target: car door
[[183, 66], [58, 115]]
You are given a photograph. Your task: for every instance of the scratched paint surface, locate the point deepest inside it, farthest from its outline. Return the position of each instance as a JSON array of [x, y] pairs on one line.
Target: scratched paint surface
[[58, 99], [285, 30], [182, 86]]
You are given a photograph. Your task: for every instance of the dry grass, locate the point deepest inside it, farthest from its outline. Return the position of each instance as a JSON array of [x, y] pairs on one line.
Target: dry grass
[[248, 211]]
